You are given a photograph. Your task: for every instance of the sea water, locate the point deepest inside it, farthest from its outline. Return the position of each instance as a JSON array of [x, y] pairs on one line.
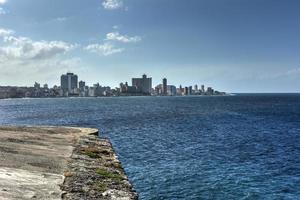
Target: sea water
[[218, 147]]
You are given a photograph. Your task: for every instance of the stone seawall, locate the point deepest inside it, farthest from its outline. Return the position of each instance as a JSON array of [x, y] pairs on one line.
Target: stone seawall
[[60, 163]]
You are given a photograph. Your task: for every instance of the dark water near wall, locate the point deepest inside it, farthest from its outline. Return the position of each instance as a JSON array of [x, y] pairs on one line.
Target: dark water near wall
[[238, 147]]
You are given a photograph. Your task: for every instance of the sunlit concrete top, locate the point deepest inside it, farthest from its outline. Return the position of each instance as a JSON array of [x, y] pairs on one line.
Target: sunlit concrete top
[[33, 160]]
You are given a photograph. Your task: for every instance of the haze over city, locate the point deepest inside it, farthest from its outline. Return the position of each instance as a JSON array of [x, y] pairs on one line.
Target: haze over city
[[235, 46]]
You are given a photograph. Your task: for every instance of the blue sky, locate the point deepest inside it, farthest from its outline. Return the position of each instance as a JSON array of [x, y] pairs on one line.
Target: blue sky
[[231, 45]]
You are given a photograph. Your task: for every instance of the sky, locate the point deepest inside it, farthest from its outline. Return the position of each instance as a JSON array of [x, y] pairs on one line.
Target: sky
[[231, 45]]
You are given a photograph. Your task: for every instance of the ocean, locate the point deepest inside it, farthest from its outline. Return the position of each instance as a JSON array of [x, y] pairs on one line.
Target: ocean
[[245, 146]]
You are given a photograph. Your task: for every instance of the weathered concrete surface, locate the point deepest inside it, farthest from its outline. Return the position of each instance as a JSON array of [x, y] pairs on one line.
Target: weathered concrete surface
[[35, 161], [95, 172]]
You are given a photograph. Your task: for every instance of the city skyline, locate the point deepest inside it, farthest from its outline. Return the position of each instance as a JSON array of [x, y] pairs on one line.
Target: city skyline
[[79, 79], [70, 86], [236, 46]]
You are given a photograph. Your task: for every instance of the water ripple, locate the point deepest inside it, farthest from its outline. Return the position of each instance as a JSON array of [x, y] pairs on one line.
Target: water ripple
[[239, 147]]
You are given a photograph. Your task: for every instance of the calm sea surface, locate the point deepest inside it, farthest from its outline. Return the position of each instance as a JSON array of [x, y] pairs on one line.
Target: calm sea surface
[[235, 147]]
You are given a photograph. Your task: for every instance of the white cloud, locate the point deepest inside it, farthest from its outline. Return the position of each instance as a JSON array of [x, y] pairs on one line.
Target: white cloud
[[25, 48], [105, 49], [111, 4], [19, 72], [2, 1], [295, 71], [2, 11], [5, 32], [116, 36], [116, 27], [26, 59], [61, 19], [108, 47]]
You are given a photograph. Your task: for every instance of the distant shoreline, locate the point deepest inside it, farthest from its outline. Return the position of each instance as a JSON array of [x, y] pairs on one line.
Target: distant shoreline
[[116, 97], [157, 96]]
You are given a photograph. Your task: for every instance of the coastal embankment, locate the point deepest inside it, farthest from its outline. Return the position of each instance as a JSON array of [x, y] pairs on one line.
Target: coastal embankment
[[60, 163]]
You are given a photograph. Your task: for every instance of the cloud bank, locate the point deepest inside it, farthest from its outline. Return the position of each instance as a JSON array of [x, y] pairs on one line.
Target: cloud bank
[[116, 36], [5, 32], [111, 4], [105, 49], [23, 57], [25, 48], [110, 46]]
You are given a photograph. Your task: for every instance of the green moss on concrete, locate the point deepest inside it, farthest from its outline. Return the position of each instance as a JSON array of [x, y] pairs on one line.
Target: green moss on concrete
[[107, 174], [100, 186]]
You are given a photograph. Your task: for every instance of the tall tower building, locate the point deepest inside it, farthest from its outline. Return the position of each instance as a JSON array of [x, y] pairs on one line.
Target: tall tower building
[[196, 88], [69, 82], [202, 88], [165, 86], [81, 84], [186, 91], [190, 91], [143, 85]]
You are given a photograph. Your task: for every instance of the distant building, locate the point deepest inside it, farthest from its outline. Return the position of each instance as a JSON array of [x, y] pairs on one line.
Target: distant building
[[171, 90], [143, 85], [128, 90], [190, 92], [97, 90], [196, 88], [202, 89], [186, 91], [209, 91], [37, 85], [158, 89], [83, 90], [69, 83], [165, 87], [180, 90], [81, 84]]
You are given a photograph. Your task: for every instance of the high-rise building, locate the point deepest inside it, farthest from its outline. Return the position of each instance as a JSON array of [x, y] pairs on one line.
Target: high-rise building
[[69, 82], [143, 85], [202, 88], [210, 91], [196, 88], [172, 90], [83, 91], [186, 91], [81, 84], [165, 87], [190, 90], [180, 90]]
